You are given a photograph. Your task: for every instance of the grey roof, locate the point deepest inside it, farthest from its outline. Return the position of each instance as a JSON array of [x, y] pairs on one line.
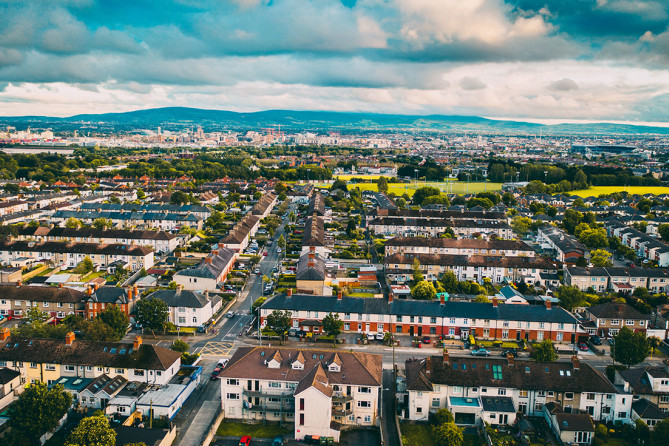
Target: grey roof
[[497, 404], [211, 270], [411, 307], [648, 410], [305, 271], [109, 294], [182, 298], [8, 375]]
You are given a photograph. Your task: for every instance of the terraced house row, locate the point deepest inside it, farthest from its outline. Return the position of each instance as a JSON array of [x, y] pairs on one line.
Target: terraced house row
[[420, 317]]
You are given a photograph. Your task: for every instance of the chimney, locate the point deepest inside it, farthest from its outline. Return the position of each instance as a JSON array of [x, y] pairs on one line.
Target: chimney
[[312, 249], [390, 297], [19, 283], [494, 302], [207, 260], [129, 294], [88, 291], [510, 359], [447, 357], [289, 292], [137, 343], [442, 299], [135, 291], [214, 252], [96, 286], [576, 362], [60, 285], [311, 264], [179, 288], [312, 256], [69, 338], [4, 334], [549, 304], [340, 295]]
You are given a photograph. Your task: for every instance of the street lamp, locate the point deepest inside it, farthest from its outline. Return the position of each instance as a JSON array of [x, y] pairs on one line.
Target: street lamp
[[308, 170], [545, 176], [416, 175]]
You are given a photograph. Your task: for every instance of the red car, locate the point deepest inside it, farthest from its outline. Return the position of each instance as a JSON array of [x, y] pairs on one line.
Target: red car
[[217, 371], [264, 253], [245, 441], [583, 347]]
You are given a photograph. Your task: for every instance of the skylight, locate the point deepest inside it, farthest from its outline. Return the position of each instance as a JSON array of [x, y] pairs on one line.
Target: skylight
[[497, 372]]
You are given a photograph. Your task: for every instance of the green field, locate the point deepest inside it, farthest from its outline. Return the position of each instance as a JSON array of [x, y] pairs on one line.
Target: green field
[[596, 191], [236, 429]]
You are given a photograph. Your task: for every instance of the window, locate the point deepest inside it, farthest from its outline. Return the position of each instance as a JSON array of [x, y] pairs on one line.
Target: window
[[50, 367], [433, 320], [233, 382], [615, 322], [364, 404], [501, 392], [590, 396], [435, 402], [33, 365], [451, 321], [368, 418], [497, 372], [569, 395], [622, 414], [505, 334], [69, 368], [232, 396], [138, 372], [551, 394], [538, 406], [302, 405], [365, 389], [301, 419], [419, 410], [629, 322], [522, 393], [275, 385]]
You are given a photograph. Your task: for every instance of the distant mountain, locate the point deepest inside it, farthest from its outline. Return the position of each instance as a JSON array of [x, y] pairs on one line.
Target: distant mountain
[[179, 117]]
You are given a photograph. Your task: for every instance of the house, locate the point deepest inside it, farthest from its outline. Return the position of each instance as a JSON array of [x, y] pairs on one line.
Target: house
[[645, 246], [48, 360], [564, 246], [648, 412], [100, 298], [570, 428], [311, 276], [618, 279], [313, 239], [462, 228], [399, 268], [430, 318], [460, 384], [10, 386], [188, 308], [316, 205], [650, 383], [610, 317], [318, 390], [57, 302], [100, 391], [439, 246], [210, 273], [10, 274]]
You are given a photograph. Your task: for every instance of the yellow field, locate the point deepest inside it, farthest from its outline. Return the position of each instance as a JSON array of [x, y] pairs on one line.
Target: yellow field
[[596, 191], [360, 176], [451, 187]]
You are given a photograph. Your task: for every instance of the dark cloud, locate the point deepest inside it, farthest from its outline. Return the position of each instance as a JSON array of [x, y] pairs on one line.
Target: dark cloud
[[472, 83], [563, 85]]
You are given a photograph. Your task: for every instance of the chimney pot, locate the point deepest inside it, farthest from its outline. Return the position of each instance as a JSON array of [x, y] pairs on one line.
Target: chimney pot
[[19, 283], [495, 302], [69, 338], [576, 362], [442, 299], [179, 288], [549, 304], [390, 297], [135, 291], [289, 292], [137, 343], [340, 295]]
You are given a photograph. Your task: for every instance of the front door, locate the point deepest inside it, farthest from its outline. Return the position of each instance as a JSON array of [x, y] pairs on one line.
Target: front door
[[420, 331], [367, 328], [411, 332], [518, 336]]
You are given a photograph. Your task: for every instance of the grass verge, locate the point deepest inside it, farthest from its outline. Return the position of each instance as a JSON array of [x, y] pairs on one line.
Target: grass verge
[[237, 429]]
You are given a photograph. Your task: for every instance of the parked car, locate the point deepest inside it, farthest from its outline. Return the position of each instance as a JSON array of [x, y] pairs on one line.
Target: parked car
[[481, 352], [256, 271], [582, 347], [217, 371], [380, 336], [264, 253], [596, 340], [293, 331], [278, 441], [426, 340], [513, 351], [245, 441], [222, 363], [278, 250], [370, 336], [230, 314]]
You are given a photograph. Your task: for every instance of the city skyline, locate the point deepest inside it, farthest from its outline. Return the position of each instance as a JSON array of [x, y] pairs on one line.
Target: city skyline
[[549, 60]]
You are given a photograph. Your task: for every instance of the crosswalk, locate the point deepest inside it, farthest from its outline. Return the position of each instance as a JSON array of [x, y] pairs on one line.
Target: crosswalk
[[217, 348]]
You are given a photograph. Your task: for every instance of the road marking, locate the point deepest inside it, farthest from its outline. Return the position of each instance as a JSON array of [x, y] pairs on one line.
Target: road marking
[[217, 348]]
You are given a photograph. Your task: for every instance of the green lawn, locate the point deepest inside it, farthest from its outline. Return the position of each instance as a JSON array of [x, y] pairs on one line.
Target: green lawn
[[237, 429], [417, 434], [92, 276]]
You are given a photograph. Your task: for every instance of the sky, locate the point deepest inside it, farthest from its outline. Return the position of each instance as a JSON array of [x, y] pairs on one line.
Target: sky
[[552, 60]]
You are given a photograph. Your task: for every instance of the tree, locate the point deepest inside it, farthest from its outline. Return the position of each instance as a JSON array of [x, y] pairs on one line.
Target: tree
[[281, 242], [642, 431], [417, 274], [442, 416], [92, 431], [102, 223], [116, 319], [569, 297], [654, 342], [424, 290], [482, 298], [448, 434], [423, 192], [38, 411], [402, 203], [594, 238], [545, 352], [140, 194], [96, 330], [581, 262], [382, 184], [85, 266], [660, 433], [601, 257], [35, 316], [450, 281], [571, 219], [152, 313], [629, 347], [180, 346], [521, 225], [663, 230], [332, 325], [73, 223], [279, 322]]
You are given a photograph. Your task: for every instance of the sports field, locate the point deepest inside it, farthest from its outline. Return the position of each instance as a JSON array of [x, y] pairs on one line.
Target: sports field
[[596, 191], [451, 187]]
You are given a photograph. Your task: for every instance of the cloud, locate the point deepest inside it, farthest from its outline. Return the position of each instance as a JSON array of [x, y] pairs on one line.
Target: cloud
[[563, 85], [471, 83]]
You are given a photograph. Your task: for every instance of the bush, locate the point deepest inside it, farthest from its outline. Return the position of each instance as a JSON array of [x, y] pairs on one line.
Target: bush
[[601, 431]]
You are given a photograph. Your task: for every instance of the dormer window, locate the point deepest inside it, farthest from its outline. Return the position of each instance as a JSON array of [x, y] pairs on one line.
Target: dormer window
[[273, 364], [297, 365], [334, 367]]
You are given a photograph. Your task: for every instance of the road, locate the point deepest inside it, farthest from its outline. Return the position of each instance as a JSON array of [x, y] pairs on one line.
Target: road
[[202, 407]]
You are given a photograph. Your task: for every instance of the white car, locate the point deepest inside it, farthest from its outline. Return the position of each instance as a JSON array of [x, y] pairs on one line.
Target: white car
[[222, 362], [380, 336], [278, 250], [370, 336]]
